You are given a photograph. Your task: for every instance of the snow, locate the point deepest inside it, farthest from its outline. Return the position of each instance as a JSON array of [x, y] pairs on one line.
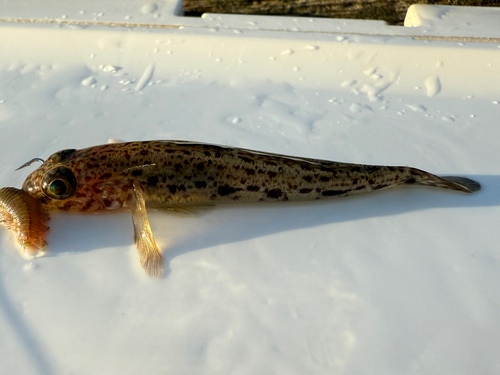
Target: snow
[[474, 21], [398, 282]]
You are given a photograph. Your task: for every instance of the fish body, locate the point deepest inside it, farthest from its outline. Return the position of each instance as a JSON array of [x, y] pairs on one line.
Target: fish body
[[26, 217], [179, 174]]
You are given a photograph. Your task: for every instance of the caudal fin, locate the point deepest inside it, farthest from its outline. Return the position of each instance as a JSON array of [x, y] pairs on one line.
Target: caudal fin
[[447, 182], [462, 183]]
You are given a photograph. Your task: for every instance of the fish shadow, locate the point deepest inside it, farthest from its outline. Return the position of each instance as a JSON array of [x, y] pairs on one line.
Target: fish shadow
[[177, 235]]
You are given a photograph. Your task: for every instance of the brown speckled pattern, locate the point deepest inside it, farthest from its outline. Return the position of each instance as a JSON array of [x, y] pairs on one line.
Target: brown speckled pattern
[[179, 173]]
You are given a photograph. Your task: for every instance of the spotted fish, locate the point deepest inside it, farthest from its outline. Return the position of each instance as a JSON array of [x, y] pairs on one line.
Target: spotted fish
[[180, 174]]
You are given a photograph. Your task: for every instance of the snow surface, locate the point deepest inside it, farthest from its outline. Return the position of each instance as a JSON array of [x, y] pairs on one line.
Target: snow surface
[[398, 282]]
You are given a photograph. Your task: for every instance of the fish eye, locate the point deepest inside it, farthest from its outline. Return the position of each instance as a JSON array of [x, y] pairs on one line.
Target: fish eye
[[59, 183], [58, 187]]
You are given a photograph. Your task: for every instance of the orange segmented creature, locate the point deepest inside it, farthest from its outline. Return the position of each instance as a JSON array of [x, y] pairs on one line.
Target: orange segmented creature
[[26, 217]]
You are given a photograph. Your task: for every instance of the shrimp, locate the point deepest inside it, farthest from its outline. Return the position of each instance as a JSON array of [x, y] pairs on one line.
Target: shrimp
[[26, 217]]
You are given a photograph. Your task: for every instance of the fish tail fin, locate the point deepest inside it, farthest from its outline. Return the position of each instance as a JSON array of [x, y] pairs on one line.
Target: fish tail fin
[[447, 182]]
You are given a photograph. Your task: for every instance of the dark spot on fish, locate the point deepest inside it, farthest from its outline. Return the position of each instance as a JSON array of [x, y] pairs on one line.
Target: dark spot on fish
[[200, 184], [218, 154], [206, 153], [225, 190], [253, 188], [143, 152], [186, 152], [182, 187], [172, 189], [356, 169], [178, 167], [87, 205], [307, 178], [247, 160], [67, 205], [411, 180], [250, 171], [213, 196], [105, 176], [211, 178], [272, 174], [125, 188], [153, 180], [332, 193], [200, 166], [305, 191], [360, 187], [108, 202], [268, 162], [324, 179], [127, 155], [274, 193], [136, 172]]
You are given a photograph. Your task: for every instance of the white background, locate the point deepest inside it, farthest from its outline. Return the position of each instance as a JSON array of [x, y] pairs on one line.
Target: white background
[[398, 282]]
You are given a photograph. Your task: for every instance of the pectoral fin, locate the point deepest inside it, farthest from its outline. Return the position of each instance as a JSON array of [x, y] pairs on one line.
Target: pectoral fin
[[151, 258]]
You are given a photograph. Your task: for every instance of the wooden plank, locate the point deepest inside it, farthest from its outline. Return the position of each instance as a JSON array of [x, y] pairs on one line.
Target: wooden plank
[[391, 11]]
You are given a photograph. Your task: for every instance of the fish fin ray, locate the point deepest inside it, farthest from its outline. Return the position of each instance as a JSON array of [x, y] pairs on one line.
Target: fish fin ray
[[463, 183], [150, 254]]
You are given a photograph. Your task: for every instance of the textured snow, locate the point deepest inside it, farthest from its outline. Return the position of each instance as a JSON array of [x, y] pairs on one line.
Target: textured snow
[[398, 282]]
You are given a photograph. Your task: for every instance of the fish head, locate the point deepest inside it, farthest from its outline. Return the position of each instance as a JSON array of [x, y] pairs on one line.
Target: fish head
[[66, 182]]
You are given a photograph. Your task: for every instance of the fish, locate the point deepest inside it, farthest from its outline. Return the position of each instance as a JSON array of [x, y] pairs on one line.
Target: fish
[[26, 216], [183, 175]]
